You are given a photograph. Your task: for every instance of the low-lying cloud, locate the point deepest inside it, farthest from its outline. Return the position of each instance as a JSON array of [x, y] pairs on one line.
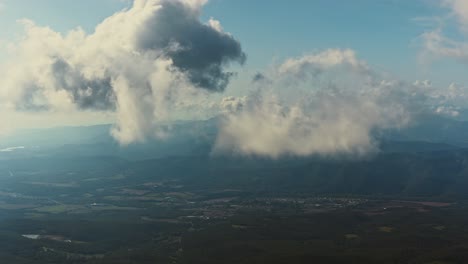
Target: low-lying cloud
[[327, 116]]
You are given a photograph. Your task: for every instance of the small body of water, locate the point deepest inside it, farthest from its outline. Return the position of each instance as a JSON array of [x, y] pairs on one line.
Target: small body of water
[[11, 149], [47, 237], [34, 237]]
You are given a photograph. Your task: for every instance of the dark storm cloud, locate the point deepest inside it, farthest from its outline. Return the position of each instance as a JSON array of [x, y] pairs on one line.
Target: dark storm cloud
[[196, 49], [258, 77], [28, 101], [87, 94]]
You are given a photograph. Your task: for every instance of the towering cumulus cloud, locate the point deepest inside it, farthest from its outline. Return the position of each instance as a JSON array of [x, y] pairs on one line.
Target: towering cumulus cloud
[[335, 108], [138, 62]]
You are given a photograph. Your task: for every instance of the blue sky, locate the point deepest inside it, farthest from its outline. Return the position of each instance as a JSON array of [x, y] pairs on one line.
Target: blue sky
[[383, 32]]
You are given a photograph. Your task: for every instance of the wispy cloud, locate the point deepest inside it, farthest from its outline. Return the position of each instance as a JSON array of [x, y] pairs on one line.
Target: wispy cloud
[[437, 44]]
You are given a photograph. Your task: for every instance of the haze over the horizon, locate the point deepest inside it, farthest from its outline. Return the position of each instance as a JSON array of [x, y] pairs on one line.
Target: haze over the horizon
[[319, 85]]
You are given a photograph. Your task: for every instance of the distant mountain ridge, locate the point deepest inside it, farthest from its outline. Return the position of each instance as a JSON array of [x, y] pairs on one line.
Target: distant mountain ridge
[[430, 133], [428, 159]]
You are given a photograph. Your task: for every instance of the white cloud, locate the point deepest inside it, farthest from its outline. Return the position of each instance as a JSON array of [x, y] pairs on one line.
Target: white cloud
[[446, 101], [323, 61], [215, 24], [447, 111], [331, 117]]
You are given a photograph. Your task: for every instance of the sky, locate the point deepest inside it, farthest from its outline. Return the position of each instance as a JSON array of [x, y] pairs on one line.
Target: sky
[[384, 32], [288, 76]]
